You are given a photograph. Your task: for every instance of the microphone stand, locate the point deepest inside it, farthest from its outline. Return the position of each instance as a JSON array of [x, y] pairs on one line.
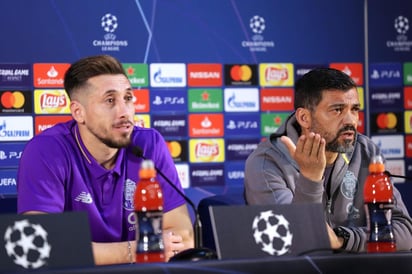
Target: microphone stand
[[397, 176], [199, 252]]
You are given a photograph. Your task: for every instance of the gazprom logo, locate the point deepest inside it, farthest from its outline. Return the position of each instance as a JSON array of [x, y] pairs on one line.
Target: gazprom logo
[[241, 99], [390, 146], [13, 128], [167, 75]]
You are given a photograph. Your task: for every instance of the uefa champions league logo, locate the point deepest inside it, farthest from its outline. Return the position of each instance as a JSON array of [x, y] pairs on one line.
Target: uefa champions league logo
[[26, 244], [257, 24], [109, 22], [401, 24], [272, 233], [401, 44]]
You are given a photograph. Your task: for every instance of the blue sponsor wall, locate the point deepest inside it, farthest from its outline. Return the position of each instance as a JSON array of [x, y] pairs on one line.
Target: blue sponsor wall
[[389, 73], [282, 39]]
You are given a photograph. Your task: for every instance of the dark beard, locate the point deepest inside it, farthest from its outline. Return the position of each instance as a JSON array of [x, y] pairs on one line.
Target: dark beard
[[114, 144], [346, 147]]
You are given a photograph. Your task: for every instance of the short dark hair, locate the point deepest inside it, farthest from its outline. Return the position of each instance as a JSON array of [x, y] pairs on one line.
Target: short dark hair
[[309, 88], [84, 69]]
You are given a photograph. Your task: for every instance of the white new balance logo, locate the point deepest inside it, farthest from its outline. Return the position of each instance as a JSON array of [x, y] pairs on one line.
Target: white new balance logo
[[84, 198]]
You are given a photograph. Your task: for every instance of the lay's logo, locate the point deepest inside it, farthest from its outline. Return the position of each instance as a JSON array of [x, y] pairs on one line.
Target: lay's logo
[[206, 150], [203, 150], [276, 74], [51, 102]]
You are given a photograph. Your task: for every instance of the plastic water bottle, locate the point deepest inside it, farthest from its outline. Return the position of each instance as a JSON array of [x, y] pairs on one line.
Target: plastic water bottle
[[148, 202], [378, 198]]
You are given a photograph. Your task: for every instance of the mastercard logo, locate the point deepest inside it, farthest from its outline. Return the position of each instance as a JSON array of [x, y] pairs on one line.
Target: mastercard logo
[[13, 99], [241, 73], [175, 148], [386, 120]]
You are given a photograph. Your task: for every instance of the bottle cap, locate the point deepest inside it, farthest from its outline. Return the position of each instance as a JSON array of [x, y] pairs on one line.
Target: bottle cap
[[376, 164], [147, 169]]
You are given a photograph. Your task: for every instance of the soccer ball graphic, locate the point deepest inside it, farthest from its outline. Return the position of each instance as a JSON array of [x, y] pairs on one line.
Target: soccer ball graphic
[[272, 233], [257, 24], [26, 244], [109, 22], [401, 24]]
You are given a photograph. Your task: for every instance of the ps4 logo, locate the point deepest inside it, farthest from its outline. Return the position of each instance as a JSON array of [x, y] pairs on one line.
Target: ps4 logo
[[242, 124], [169, 100], [10, 155], [388, 74]]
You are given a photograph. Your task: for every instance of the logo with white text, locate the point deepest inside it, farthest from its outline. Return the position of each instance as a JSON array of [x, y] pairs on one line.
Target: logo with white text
[[401, 26], [257, 25], [110, 23]]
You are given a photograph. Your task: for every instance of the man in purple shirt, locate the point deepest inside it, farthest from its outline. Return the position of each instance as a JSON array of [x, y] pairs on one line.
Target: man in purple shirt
[[88, 164]]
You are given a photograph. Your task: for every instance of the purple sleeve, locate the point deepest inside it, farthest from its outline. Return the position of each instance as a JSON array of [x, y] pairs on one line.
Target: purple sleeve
[[40, 183]]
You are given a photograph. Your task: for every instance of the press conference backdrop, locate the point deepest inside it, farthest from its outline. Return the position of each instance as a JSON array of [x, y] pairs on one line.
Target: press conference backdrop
[[214, 77]]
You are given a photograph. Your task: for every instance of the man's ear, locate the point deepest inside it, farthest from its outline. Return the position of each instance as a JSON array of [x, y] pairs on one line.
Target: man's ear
[[303, 117], [77, 111]]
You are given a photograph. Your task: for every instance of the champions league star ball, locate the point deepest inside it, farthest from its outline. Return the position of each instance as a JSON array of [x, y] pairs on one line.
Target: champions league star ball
[[109, 22], [257, 24], [272, 233], [401, 24], [27, 245]]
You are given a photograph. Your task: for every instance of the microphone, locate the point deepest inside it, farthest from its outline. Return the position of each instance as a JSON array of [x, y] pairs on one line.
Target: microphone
[[198, 252]]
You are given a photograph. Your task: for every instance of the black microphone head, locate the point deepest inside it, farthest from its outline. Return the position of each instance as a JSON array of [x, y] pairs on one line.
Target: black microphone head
[[136, 150]]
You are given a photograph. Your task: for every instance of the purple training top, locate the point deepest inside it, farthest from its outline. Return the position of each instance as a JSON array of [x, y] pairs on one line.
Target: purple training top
[[57, 173]]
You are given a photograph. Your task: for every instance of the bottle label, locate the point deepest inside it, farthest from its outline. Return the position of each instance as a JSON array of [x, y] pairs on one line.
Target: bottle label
[[379, 222], [149, 231]]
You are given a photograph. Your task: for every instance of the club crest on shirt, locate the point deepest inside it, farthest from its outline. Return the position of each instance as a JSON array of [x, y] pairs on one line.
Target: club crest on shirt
[[129, 188], [349, 185]]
